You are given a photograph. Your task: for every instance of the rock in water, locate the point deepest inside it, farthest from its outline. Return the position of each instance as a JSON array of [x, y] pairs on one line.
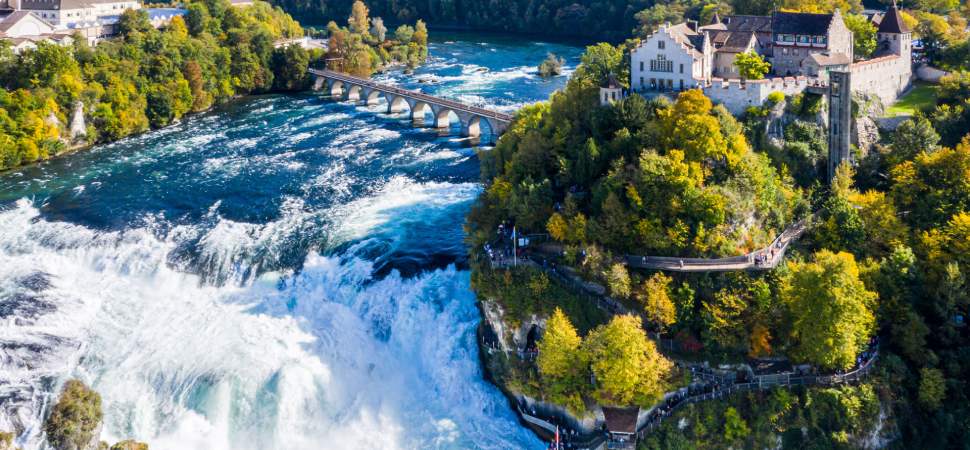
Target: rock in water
[[130, 445], [6, 441], [75, 421]]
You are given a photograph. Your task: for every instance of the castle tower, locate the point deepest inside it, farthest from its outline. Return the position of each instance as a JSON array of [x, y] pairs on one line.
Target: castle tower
[[894, 36], [610, 91]]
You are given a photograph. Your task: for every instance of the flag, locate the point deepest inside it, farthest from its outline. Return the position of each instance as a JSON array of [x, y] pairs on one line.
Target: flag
[[555, 445]]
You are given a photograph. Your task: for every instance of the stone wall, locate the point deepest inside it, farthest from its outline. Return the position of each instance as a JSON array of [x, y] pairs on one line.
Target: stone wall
[[885, 77], [737, 96], [931, 74]]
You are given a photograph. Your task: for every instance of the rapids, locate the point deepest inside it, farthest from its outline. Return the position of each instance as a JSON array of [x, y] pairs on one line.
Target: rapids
[[285, 272]]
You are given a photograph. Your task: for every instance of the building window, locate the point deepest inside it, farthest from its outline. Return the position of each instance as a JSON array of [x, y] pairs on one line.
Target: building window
[[661, 44], [641, 66], [641, 79], [661, 64], [784, 51]]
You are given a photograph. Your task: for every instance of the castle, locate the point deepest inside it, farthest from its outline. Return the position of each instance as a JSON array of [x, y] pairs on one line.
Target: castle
[[802, 49]]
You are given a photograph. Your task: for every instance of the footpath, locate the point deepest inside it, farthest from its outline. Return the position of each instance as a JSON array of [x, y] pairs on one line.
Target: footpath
[[706, 383]]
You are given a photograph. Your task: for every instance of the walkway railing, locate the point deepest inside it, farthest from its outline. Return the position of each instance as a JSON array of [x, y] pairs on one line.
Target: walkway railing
[[764, 259], [768, 381], [412, 94]]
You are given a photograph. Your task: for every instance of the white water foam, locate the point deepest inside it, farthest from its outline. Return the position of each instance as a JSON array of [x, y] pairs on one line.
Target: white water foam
[[329, 358]]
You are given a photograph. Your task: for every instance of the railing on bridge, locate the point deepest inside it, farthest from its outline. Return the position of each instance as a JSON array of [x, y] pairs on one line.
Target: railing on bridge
[[350, 79]]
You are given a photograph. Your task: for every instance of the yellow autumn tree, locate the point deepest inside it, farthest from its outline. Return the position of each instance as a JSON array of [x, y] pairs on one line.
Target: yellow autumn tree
[[561, 363], [626, 366], [654, 295]]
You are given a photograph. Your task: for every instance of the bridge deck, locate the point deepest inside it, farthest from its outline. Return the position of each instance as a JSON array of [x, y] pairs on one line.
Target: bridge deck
[[451, 104]]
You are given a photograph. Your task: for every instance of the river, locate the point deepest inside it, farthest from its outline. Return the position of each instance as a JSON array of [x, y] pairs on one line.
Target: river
[[284, 272]]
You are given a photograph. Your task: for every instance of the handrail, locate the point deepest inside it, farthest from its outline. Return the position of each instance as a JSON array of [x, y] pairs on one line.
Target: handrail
[[413, 94], [741, 262]]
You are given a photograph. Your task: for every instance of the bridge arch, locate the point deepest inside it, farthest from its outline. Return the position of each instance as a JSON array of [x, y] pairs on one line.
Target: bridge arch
[[443, 117], [472, 127], [374, 96], [396, 104], [353, 92], [419, 110], [336, 88]]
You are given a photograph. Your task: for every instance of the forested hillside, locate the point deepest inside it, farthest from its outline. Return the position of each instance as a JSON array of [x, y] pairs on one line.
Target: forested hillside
[[609, 20], [885, 257], [146, 78]]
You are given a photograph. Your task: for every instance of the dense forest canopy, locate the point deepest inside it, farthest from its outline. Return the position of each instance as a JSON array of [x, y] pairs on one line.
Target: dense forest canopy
[[612, 20]]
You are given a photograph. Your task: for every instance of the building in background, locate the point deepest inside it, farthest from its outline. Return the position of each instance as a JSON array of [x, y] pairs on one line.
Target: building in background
[[801, 48], [27, 22]]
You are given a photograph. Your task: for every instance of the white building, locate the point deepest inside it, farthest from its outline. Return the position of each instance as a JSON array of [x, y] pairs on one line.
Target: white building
[[802, 50], [62, 13], [24, 23], [675, 57]]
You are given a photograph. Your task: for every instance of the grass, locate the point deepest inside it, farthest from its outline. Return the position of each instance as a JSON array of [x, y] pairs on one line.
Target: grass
[[922, 96]]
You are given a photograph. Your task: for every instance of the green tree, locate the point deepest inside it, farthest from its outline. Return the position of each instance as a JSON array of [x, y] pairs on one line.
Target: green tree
[[933, 186], [911, 138], [654, 294], [420, 35], [626, 366], [75, 418], [598, 62], [830, 308], [735, 428], [129, 445], [863, 34], [618, 279], [404, 33], [932, 388], [196, 18], [290, 65], [132, 21], [561, 362], [751, 65]]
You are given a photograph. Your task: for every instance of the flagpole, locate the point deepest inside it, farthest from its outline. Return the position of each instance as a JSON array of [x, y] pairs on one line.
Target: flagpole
[[515, 253]]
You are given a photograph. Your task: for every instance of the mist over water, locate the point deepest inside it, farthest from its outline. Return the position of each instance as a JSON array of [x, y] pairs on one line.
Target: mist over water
[[286, 272]]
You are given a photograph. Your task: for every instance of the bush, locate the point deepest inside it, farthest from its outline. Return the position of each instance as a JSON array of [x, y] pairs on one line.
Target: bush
[[75, 418], [551, 66]]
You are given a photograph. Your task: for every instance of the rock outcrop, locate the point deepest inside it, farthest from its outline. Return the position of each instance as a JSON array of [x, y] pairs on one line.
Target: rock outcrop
[[78, 128], [75, 421], [6, 441]]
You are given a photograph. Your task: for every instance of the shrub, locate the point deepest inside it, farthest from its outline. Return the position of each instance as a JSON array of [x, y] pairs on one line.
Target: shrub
[[75, 418]]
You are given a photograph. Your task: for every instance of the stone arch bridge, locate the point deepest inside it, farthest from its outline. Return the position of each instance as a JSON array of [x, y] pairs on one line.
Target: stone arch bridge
[[398, 100]]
